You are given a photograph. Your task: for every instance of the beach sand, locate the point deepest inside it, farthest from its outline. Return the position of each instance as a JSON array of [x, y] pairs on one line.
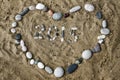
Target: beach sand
[[102, 66]]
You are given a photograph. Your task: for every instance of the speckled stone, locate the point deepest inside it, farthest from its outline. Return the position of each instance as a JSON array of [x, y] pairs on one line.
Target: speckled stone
[[72, 68], [59, 72], [57, 16], [48, 70]]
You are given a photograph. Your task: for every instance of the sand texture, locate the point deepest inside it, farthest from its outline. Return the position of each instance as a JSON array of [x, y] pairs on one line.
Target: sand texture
[[102, 66]]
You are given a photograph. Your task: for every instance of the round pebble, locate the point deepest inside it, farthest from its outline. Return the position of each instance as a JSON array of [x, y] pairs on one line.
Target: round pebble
[[18, 36], [31, 7], [48, 70], [57, 16], [14, 24], [86, 54], [40, 6], [18, 17], [32, 61], [104, 23], [29, 55], [89, 7], [105, 31], [99, 14], [13, 30], [24, 48], [59, 72], [22, 43], [40, 65], [50, 12], [74, 9]]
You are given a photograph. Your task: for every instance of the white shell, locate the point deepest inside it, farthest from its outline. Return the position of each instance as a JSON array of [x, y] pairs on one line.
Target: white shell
[[89, 7], [31, 7], [74, 9], [86, 54], [40, 65], [29, 55], [13, 30], [32, 61], [40, 6], [48, 70], [101, 37], [105, 31], [18, 17], [22, 43], [24, 48], [104, 23], [14, 24], [59, 72]]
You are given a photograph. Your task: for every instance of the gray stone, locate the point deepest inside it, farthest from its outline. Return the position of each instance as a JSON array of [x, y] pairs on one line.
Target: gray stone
[[105, 31], [57, 16], [97, 48], [48, 70], [99, 14], [25, 11]]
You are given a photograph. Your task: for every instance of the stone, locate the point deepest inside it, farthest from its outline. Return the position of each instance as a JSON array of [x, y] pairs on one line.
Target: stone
[[18, 17], [86, 54], [32, 7], [100, 41], [97, 48], [24, 48], [17, 42], [89, 7], [48, 70], [59, 72], [105, 31], [14, 24], [29, 55], [79, 61], [66, 15], [50, 12], [99, 15], [32, 61], [46, 9], [22, 43], [57, 16], [18, 36], [72, 68], [25, 11], [104, 23], [40, 65], [13, 30], [74, 9], [101, 37], [40, 6]]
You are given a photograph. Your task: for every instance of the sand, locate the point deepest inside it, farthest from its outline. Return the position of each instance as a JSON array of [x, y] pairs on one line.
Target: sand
[[102, 66]]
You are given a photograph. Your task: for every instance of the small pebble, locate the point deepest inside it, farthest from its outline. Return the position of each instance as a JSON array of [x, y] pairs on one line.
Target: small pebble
[[86, 54], [100, 41], [57, 16], [105, 31], [25, 11], [97, 48], [99, 14], [37, 60], [46, 9], [89, 7], [59, 72], [50, 12], [48, 70], [14, 24], [24, 48], [18, 36], [18, 17], [79, 61], [32, 61], [66, 15], [22, 43], [31, 7], [13, 30], [101, 37], [72, 68], [17, 42], [104, 23], [74, 9], [29, 55], [40, 6], [40, 65]]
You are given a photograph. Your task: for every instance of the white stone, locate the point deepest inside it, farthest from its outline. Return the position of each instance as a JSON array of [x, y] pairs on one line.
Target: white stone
[[104, 23], [74, 9], [29, 55], [14, 24], [89, 7], [74, 28], [24, 48], [48, 70], [63, 28], [32, 61], [18, 17], [31, 7], [59, 72], [17, 42], [40, 65], [86, 54], [105, 31], [100, 41], [22, 43], [13, 30], [40, 6], [101, 37]]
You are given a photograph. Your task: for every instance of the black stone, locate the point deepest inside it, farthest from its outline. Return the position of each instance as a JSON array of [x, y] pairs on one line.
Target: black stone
[[99, 14], [18, 37], [72, 68], [66, 15], [57, 34], [25, 11]]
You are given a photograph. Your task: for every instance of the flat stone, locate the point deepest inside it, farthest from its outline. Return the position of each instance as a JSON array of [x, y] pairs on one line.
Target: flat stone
[[104, 23], [97, 48], [86, 54], [89, 7], [40, 6], [25, 11], [18, 36], [57, 16], [29, 55], [59, 72], [72, 68], [18, 17], [99, 15], [14, 24], [45, 9], [105, 31], [40, 65], [48, 70], [74, 9]]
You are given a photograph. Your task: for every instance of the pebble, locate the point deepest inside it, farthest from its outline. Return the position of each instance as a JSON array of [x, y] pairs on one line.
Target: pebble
[[18, 36], [97, 48], [31, 7], [86, 54], [72, 68], [40, 6], [99, 15], [40, 65], [57, 16], [22, 43], [50, 12], [14, 24], [46, 9], [37, 60], [24, 48], [13, 30], [66, 15], [29, 55], [89, 7], [18, 17], [17, 42], [79, 61], [100, 41], [32, 61], [101, 37], [59, 72], [48, 70], [105, 31], [74, 9], [25, 11], [104, 23]]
